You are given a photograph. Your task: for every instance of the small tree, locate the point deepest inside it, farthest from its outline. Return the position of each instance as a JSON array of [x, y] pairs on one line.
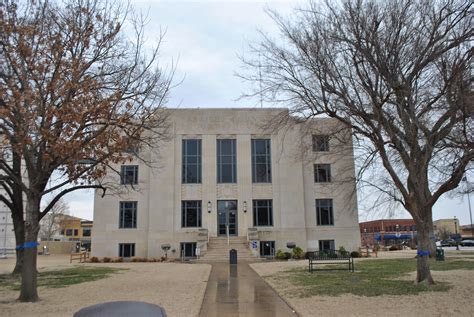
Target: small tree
[[399, 74], [76, 93], [444, 233], [50, 224]]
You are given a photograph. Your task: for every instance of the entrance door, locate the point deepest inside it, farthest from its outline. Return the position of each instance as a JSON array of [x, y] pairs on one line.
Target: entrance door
[[227, 216]]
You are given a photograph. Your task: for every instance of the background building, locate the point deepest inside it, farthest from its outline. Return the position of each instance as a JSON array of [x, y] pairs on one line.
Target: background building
[[222, 174], [447, 228], [7, 235], [388, 232]]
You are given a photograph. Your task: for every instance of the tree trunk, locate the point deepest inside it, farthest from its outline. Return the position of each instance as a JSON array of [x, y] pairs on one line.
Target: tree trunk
[[423, 273], [29, 292], [17, 215]]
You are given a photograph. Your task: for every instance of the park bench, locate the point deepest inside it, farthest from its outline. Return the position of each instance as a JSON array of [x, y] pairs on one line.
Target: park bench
[[330, 257]]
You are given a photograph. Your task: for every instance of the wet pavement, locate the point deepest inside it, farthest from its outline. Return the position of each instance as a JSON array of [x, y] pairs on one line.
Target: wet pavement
[[236, 290]]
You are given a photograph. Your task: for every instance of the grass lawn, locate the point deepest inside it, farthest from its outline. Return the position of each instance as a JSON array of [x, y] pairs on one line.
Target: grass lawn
[[61, 278], [371, 278]]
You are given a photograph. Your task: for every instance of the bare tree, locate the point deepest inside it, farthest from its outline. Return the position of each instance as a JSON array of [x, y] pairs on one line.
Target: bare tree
[[398, 73], [77, 92], [444, 233], [50, 224]]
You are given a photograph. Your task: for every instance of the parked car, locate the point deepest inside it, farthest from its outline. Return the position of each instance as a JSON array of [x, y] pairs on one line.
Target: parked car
[[467, 243], [448, 243]]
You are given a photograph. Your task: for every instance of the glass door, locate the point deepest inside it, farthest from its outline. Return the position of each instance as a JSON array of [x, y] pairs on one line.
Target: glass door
[[227, 216]]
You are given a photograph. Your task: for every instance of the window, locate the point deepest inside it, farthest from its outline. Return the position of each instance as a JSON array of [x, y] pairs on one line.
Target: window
[[261, 161], [262, 213], [191, 214], [322, 173], [188, 249], [191, 173], [126, 250], [324, 213], [86, 232], [267, 248], [76, 232], [68, 232], [128, 214], [320, 143], [326, 245], [226, 161], [129, 174], [62, 232]]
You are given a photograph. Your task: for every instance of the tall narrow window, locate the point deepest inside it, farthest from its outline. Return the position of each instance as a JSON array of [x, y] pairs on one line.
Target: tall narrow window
[[191, 161], [262, 213], [322, 173], [128, 214], [126, 250], [261, 161], [226, 161], [320, 143], [129, 175], [324, 213], [191, 213]]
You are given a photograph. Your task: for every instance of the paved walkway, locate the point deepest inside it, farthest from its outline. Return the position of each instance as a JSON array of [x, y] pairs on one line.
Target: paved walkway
[[236, 290]]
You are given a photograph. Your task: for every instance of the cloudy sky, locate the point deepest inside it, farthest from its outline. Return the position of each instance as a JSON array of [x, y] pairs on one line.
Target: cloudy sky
[[206, 38]]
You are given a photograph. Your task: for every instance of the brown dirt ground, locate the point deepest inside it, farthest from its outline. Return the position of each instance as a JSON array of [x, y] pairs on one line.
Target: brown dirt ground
[[179, 288]]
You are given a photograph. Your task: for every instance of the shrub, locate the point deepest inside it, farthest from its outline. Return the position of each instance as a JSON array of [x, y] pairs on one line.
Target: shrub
[[309, 254], [298, 253], [106, 260], [164, 259], [355, 254], [117, 260], [280, 255], [287, 255], [139, 259], [343, 251], [94, 259]]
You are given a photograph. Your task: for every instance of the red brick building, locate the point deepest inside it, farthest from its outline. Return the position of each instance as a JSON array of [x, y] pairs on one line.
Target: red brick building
[[388, 232]]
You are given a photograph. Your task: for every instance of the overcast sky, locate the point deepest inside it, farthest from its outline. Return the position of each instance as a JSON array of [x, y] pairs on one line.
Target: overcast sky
[[205, 38]]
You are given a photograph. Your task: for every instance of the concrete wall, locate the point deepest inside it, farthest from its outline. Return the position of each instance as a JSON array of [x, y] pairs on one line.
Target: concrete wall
[[293, 191]]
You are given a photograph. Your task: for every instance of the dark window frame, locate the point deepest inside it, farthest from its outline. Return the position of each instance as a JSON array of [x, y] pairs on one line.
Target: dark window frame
[[69, 233], [86, 232], [129, 175], [232, 156], [261, 161], [271, 246], [258, 207], [320, 217], [186, 210], [185, 245], [187, 162], [122, 214], [321, 143], [322, 245], [122, 249], [322, 173]]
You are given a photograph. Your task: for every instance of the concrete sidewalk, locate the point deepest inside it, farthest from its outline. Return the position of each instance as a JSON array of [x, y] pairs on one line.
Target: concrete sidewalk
[[236, 290]]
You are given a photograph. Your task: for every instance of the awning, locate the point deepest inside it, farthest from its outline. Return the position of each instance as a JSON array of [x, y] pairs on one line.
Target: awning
[[394, 236]]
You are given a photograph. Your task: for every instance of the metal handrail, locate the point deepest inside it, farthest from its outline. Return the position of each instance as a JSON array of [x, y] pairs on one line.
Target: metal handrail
[[228, 236]]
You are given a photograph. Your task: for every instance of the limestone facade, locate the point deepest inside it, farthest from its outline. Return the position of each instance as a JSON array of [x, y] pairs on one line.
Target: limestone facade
[[160, 191]]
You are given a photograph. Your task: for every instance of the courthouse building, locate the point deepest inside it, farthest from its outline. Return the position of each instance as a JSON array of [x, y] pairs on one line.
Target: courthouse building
[[222, 176]]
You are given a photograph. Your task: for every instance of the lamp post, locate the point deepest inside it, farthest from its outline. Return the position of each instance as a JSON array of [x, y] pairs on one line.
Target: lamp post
[[456, 232], [469, 204], [366, 243]]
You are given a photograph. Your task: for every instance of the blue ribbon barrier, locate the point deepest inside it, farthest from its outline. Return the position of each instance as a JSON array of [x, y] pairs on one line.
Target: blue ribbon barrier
[[423, 252], [26, 245]]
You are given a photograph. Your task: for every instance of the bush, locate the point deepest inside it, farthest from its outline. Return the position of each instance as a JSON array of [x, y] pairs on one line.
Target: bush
[[94, 259], [287, 255], [106, 260], [309, 254], [343, 251], [355, 254], [297, 253], [280, 255], [117, 260], [138, 259]]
